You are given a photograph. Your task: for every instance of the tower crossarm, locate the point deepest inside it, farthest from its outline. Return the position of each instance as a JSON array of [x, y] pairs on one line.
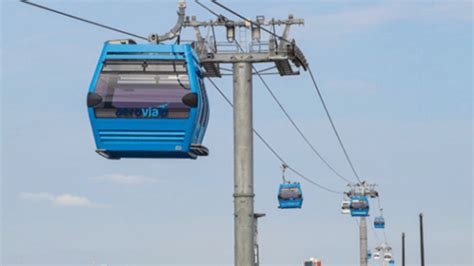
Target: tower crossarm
[[281, 51]]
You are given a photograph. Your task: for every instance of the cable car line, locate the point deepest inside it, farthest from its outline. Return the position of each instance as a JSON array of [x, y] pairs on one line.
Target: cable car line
[[274, 96], [240, 16], [292, 121], [332, 124], [83, 20], [282, 108], [272, 150], [346, 154], [265, 142], [208, 9], [220, 91], [312, 182], [299, 130]]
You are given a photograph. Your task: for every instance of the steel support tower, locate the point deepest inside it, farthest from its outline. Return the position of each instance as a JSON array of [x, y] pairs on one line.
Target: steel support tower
[[363, 189], [243, 164], [364, 260], [286, 58]]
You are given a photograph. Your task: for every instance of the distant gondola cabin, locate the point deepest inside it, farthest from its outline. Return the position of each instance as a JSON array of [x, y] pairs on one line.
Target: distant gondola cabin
[[290, 196], [379, 222]]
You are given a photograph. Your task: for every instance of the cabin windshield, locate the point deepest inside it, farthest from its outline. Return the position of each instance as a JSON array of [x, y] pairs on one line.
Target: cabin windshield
[[290, 193], [360, 204], [142, 89]]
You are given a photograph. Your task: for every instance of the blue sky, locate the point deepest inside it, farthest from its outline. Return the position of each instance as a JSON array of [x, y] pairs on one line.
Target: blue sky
[[397, 77]]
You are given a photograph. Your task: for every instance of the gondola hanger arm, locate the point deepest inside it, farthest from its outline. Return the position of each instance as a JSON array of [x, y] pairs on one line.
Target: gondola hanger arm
[[175, 31], [284, 166]]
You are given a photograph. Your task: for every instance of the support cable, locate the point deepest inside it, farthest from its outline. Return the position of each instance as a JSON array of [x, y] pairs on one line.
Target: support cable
[[346, 154], [207, 8], [292, 121], [272, 150], [300, 132], [83, 20]]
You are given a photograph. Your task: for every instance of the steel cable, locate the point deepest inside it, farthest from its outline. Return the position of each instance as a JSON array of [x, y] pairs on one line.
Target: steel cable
[[83, 20]]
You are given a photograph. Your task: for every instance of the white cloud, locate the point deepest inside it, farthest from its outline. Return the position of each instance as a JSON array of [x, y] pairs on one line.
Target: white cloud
[[64, 200], [125, 179]]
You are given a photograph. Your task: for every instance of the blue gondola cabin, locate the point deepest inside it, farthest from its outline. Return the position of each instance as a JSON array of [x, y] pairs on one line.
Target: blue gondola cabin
[[290, 196], [148, 101], [379, 222], [359, 206]]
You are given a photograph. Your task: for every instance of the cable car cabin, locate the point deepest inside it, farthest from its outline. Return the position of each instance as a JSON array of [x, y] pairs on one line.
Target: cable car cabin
[[369, 254], [345, 207], [376, 256], [379, 222], [391, 262], [148, 101], [359, 206], [387, 257], [290, 196]]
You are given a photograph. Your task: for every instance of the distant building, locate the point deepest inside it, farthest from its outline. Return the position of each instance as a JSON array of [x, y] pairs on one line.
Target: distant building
[[313, 262]]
